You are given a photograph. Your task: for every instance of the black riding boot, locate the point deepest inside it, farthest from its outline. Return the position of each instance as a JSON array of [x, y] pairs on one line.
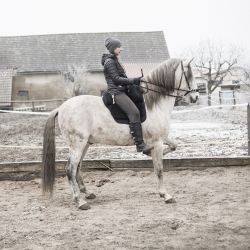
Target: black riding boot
[[136, 131]]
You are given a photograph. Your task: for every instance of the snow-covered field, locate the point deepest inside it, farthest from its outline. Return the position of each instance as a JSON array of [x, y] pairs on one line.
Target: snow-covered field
[[201, 133]]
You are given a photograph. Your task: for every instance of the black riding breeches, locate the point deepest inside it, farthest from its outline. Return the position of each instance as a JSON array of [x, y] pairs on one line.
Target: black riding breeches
[[127, 105]]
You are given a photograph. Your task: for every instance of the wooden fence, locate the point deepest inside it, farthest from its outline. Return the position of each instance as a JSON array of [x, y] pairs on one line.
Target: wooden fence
[[32, 170]]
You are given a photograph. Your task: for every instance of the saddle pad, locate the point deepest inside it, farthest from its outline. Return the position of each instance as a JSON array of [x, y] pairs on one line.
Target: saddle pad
[[118, 114]]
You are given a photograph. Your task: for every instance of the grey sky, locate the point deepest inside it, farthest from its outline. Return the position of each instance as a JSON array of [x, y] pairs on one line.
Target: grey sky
[[184, 22]]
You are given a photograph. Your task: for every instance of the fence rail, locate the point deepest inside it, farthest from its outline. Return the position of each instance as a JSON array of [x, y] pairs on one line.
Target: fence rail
[[31, 170], [174, 111]]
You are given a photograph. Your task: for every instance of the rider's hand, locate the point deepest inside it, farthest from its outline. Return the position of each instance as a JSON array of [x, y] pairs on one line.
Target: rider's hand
[[137, 80]]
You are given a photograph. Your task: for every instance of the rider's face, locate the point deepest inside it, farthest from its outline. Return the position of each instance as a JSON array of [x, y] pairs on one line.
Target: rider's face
[[118, 50]]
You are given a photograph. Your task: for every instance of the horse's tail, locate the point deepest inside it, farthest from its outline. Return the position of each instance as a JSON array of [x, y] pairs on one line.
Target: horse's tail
[[49, 148]]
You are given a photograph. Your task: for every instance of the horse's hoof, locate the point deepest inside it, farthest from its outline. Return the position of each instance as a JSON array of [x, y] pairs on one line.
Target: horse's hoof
[[171, 200], [90, 195], [83, 190], [147, 153], [84, 206], [162, 195]]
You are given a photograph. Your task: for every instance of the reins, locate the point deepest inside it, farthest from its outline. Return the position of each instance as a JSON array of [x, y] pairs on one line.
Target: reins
[[180, 97]]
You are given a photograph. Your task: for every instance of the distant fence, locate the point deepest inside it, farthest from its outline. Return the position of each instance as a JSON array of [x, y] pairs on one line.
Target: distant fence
[[32, 105], [242, 105], [225, 98], [34, 108]]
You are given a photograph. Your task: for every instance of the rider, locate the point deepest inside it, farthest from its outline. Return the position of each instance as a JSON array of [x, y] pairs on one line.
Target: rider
[[117, 85]]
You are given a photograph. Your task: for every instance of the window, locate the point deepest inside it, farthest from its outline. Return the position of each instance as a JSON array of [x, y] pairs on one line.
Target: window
[[202, 87], [23, 95]]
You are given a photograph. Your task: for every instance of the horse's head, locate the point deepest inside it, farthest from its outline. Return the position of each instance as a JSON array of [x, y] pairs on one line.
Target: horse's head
[[185, 82]]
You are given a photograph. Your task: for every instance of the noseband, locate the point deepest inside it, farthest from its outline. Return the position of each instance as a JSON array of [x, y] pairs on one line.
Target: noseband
[[179, 97]]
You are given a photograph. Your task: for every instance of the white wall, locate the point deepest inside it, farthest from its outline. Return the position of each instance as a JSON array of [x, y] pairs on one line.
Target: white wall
[[51, 86]]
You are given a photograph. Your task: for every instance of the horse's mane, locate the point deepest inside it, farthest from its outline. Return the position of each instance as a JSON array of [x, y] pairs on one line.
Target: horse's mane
[[164, 77]]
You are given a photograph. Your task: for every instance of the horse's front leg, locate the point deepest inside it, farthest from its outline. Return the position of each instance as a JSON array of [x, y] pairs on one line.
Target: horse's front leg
[[168, 147], [156, 154], [172, 145], [166, 150]]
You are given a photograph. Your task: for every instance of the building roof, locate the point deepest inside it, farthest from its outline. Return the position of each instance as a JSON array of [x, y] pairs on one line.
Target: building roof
[[51, 53], [134, 69]]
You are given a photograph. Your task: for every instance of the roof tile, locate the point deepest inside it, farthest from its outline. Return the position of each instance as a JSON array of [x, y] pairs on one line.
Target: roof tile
[[43, 53]]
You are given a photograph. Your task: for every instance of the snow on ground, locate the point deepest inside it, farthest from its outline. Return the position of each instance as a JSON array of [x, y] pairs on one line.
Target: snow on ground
[[204, 133]]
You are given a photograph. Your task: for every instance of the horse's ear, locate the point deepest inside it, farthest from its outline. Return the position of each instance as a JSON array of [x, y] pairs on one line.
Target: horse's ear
[[187, 62]]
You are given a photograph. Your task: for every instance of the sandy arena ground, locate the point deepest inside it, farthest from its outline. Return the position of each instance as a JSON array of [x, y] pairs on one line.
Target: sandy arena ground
[[212, 212], [212, 209]]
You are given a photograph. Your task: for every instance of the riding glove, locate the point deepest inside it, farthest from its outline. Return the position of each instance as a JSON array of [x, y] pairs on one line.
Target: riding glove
[[137, 80]]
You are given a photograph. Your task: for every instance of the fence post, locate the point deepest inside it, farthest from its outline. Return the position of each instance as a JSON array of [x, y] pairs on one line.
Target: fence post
[[220, 98], [234, 100], [248, 127]]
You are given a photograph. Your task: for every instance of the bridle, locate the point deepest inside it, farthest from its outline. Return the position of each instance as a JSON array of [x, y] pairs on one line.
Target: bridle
[[179, 97]]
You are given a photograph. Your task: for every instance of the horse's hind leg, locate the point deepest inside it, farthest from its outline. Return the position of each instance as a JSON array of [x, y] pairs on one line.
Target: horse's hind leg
[[156, 154], [71, 169], [88, 194]]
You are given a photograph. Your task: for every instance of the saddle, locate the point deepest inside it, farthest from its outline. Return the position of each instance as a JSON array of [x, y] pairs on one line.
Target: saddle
[[135, 94]]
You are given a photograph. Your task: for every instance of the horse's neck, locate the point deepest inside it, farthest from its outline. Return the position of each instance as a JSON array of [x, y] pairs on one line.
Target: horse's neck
[[164, 108]]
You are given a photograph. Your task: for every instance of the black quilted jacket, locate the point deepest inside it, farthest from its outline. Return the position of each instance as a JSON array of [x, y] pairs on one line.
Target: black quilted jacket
[[115, 75]]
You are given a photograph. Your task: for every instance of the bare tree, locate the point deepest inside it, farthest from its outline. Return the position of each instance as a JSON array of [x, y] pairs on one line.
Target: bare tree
[[244, 74], [214, 61], [74, 80]]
